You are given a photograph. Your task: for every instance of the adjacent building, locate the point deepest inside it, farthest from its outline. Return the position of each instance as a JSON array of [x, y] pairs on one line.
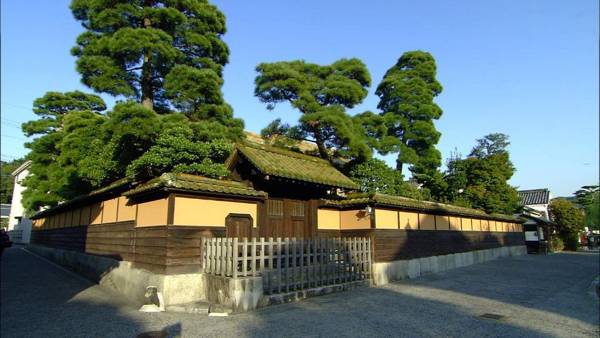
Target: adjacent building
[[19, 226], [535, 211]]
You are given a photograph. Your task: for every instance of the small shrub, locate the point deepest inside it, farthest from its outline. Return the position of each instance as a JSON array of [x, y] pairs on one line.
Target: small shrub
[[556, 244], [571, 240]]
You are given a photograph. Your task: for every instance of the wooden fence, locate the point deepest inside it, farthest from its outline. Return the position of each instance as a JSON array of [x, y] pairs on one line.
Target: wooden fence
[[289, 264]]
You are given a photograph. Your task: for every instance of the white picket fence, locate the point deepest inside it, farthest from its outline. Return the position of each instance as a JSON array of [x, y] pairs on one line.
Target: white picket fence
[[289, 264]]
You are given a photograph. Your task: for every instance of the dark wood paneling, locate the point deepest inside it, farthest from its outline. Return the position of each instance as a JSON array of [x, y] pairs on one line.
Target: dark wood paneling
[[394, 244]]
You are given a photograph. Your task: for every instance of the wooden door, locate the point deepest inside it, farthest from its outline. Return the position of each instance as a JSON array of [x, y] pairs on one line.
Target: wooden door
[[287, 218], [238, 225]]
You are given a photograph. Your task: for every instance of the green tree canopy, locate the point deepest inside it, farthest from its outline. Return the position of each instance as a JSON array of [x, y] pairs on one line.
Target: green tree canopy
[[6, 180], [321, 94], [566, 215], [482, 181], [157, 51], [176, 150], [589, 198], [54, 174], [406, 96], [375, 176]]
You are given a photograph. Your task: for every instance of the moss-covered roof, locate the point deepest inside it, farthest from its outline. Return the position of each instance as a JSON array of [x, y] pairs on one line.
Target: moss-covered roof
[[195, 183], [292, 165], [413, 204]]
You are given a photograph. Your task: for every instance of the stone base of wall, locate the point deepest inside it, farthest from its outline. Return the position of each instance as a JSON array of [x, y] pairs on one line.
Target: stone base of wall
[[122, 277], [239, 294], [386, 272]]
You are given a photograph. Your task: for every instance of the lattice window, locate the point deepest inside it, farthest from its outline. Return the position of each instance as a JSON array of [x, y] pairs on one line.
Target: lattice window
[[298, 209], [275, 208]]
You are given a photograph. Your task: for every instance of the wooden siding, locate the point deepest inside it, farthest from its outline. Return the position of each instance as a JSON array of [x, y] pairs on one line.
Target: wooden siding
[[159, 249], [389, 245]]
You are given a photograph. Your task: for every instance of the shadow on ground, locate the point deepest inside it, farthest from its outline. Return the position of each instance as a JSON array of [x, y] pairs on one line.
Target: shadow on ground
[[40, 300]]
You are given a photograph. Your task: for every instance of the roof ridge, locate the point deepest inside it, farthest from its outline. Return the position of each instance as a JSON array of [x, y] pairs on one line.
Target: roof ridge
[[283, 151]]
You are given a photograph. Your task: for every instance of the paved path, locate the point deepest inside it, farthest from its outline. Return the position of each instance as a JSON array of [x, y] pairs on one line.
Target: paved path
[[537, 295]]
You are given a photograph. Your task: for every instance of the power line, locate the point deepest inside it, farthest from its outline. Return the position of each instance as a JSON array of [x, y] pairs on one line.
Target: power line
[[15, 137]]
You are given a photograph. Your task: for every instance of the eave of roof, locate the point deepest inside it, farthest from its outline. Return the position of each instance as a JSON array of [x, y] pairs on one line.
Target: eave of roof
[[534, 196], [195, 183], [405, 203], [20, 168], [115, 187], [291, 165]]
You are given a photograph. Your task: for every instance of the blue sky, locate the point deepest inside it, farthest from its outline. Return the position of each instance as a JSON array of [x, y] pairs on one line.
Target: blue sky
[[525, 68]]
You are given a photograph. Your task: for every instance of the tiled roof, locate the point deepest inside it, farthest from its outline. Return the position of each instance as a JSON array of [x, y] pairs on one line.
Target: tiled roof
[[292, 165], [413, 204], [195, 183], [534, 196]]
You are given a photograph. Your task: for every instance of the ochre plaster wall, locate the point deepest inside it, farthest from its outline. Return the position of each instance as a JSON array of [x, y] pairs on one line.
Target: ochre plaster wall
[[153, 212], [328, 219], [426, 222], [386, 219], [409, 220], [208, 212], [354, 219], [126, 212]]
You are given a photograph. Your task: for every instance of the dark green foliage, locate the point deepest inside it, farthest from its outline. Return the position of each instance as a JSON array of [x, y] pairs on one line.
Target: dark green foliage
[[176, 150], [566, 215], [556, 244], [375, 176], [282, 134], [569, 222], [166, 54], [153, 50], [63, 125], [321, 94], [495, 143], [589, 198], [571, 240], [130, 130], [406, 97], [6, 180], [482, 182]]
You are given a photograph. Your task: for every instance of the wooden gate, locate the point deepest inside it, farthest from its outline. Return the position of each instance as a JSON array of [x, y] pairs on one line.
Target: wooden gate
[[238, 225], [287, 218]]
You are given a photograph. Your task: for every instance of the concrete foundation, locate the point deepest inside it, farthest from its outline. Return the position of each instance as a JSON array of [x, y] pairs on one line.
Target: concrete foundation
[[386, 272], [122, 277], [240, 294]]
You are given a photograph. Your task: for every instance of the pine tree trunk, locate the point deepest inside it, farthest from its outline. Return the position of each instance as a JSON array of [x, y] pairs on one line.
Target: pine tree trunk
[[146, 83], [320, 143]]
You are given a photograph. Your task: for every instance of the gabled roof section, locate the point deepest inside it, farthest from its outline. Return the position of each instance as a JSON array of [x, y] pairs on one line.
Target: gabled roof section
[[195, 183], [413, 204], [534, 196], [21, 168], [292, 165]]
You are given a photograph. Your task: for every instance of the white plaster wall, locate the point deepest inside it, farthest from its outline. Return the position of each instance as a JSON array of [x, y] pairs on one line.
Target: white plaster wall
[[17, 210], [542, 208]]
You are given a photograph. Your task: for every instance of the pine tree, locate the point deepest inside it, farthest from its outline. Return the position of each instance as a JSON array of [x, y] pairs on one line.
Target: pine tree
[[406, 97], [321, 94], [481, 180], [53, 175], [154, 51]]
